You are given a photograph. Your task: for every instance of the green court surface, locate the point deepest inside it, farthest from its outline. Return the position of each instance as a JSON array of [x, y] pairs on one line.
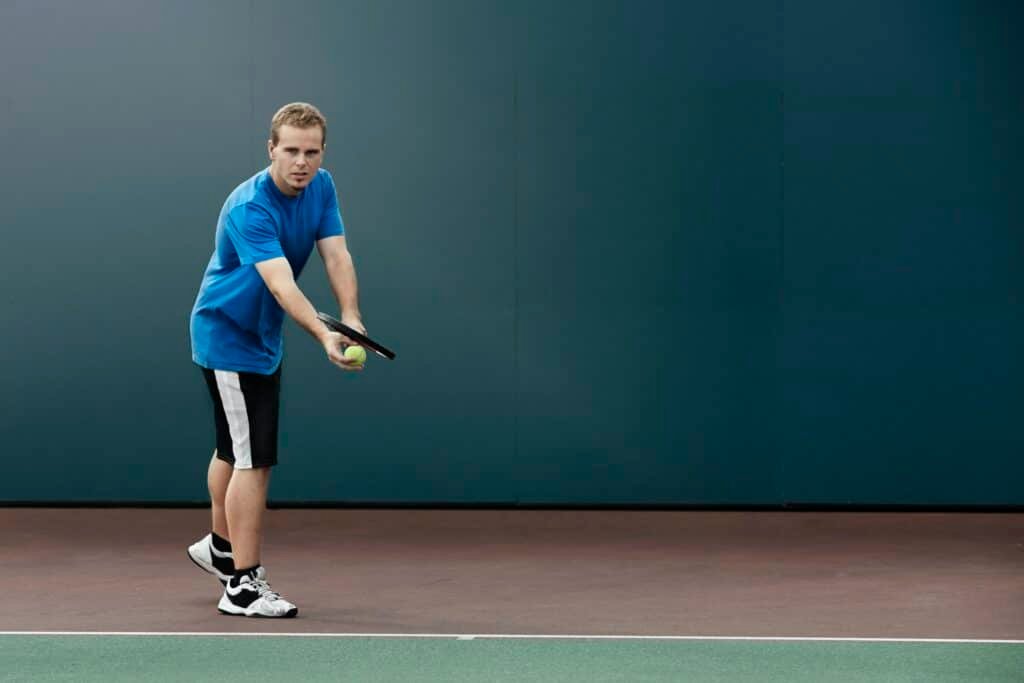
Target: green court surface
[[244, 658]]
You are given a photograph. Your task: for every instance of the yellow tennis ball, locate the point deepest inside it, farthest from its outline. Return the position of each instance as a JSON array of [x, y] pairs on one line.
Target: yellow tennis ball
[[356, 353]]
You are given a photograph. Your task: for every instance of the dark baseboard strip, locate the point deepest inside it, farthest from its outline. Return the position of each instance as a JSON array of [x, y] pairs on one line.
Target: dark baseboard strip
[[514, 505]]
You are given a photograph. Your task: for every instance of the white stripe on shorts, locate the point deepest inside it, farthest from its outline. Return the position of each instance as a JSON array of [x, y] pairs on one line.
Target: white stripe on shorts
[[238, 419]]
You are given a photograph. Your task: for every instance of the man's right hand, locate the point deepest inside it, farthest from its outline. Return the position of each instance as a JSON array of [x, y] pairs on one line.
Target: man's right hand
[[333, 342]]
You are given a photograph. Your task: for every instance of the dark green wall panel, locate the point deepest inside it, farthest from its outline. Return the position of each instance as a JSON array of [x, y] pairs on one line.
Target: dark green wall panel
[[648, 253], [903, 254], [628, 252], [421, 142], [119, 143]]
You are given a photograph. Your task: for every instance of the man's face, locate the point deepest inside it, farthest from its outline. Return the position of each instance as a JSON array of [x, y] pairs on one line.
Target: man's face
[[296, 158]]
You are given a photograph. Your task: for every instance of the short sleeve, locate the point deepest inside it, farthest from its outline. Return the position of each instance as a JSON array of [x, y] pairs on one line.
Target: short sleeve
[[331, 224], [253, 232]]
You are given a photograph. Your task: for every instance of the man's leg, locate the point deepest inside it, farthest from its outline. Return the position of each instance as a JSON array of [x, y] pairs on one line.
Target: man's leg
[[248, 593], [246, 411], [213, 551], [217, 477], [244, 504]]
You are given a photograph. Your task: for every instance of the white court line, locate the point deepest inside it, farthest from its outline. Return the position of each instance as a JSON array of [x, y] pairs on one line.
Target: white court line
[[501, 636]]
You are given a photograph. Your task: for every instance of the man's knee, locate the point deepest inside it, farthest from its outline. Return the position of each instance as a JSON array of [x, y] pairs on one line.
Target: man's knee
[[255, 475]]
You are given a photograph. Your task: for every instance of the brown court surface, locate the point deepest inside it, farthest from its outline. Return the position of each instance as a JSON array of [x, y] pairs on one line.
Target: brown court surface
[[901, 575]]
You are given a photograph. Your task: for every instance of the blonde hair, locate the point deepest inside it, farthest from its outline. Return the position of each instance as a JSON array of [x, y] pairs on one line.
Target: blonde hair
[[300, 115]]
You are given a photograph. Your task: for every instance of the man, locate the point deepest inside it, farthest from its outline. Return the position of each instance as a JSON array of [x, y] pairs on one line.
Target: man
[[265, 234]]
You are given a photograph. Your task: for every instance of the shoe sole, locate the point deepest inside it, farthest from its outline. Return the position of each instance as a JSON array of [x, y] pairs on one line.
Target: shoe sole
[[287, 615], [209, 569]]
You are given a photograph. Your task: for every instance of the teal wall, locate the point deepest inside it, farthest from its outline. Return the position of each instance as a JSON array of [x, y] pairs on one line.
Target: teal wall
[[903, 324], [628, 252]]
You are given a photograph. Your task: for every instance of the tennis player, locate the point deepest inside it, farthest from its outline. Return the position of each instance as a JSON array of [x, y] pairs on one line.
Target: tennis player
[[265, 234]]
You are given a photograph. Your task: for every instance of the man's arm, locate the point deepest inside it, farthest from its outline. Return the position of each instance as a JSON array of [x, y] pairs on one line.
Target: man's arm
[[277, 275], [341, 272]]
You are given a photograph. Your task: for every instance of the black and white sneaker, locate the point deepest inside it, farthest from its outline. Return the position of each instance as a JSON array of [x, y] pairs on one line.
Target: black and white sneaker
[[252, 597], [208, 558]]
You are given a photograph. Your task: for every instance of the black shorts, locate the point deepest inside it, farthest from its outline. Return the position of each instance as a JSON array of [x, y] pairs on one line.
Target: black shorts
[[245, 409]]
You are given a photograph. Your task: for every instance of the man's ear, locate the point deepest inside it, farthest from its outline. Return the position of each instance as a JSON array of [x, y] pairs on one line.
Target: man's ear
[[270, 149]]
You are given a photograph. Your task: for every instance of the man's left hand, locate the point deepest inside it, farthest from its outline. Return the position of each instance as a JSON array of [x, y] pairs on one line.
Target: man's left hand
[[355, 323]]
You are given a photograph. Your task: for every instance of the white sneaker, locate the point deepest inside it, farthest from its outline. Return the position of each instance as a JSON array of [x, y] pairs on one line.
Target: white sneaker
[[209, 558], [252, 597]]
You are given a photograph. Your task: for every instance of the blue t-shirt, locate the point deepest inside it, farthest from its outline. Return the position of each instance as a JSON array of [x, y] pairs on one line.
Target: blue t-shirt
[[236, 321]]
